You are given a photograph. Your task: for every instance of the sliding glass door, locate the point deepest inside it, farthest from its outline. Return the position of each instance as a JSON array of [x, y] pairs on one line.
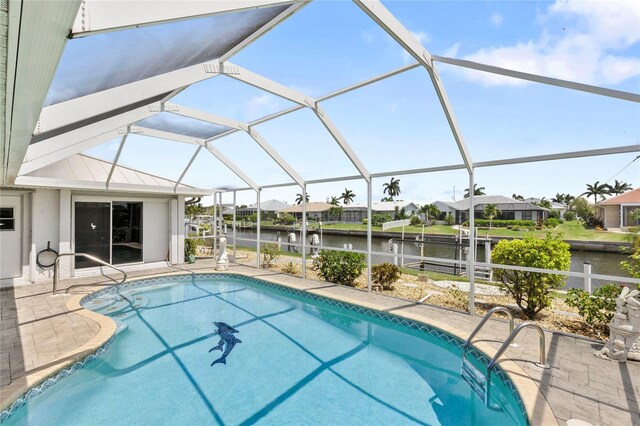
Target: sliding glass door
[[110, 231]]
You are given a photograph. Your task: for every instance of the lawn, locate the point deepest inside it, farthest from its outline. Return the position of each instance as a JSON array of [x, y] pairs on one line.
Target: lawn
[[572, 230], [435, 229]]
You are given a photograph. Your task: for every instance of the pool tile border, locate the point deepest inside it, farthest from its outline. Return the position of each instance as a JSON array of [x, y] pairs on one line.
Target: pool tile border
[[105, 338]]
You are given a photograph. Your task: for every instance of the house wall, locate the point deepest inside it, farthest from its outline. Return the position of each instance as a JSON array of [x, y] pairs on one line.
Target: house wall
[[610, 216], [47, 218]]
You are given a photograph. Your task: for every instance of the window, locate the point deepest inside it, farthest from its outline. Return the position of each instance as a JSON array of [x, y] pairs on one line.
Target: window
[[527, 215], [7, 220]]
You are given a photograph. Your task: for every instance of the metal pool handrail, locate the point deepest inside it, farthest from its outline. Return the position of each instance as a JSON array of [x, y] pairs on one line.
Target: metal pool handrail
[[484, 320], [88, 256], [505, 346]]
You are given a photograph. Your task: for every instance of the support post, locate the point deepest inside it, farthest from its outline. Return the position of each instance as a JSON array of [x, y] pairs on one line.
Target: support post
[[215, 228], [235, 244], [369, 265], [487, 257], [472, 247], [258, 228], [587, 278], [303, 236]]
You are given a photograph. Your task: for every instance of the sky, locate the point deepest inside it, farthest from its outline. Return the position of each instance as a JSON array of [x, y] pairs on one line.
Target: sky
[[398, 123]]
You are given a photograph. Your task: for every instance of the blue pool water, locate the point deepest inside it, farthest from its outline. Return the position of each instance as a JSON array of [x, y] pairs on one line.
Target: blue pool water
[[301, 360]]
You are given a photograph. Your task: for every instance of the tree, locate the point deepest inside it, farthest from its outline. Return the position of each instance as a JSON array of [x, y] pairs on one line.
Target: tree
[[597, 190], [619, 187], [544, 203], [476, 190], [335, 212], [430, 211], [335, 201], [392, 188], [515, 197], [531, 290], [347, 196], [193, 210], [490, 211], [559, 198], [386, 199], [299, 198]]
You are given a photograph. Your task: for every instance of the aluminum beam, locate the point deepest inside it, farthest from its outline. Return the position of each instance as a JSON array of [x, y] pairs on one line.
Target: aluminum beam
[[618, 94], [238, 172], [211, 118], [98, 17], [116, 159], [186, 169], [278, 89], [412, 45]]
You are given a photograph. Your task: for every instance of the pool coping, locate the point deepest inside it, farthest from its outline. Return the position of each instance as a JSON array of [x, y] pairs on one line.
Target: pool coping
[[18, 393]]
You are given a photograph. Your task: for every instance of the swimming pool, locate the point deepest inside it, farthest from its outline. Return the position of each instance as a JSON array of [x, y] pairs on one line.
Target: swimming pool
[[275, 356]]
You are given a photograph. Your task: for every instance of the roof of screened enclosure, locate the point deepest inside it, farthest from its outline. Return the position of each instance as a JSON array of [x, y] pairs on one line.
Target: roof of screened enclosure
[[219, 96]]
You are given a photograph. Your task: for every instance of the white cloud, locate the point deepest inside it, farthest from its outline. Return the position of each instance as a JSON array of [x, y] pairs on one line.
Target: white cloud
[[259, 105], [586, 50], [452, 51], [422, 37], [497, 19]]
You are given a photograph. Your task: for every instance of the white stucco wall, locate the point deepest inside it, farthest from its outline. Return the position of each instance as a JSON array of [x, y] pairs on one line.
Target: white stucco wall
[[45, 227]]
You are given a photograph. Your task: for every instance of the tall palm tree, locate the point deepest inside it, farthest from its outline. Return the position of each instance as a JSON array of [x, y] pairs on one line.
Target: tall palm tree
[[620, 187], [386, 199], [299, 198], [430, 211], [597, 190], [544, 203], [476, 190], [559, 198], [335, 201], [347, 196], [392, 188], [490, 211], [517, 197]]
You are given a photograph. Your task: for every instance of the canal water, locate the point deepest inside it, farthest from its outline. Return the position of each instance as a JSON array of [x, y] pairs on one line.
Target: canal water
[[601, 263]]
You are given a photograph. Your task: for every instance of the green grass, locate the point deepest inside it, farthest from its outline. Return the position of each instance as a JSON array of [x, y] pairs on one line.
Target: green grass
[[572, 230], [435, 229]]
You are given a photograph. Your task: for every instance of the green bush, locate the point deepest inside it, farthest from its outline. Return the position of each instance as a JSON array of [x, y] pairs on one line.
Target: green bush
[[481, 223], [568, 215], [378, 219], [270, 252], [190, 247], [449, 220], [364, 221], [340, 267], [290, 268], [252, 218], [414, 220], [287, 219], [551, 222], [596, 309], [531, 290], [555, 214], [385, 274]]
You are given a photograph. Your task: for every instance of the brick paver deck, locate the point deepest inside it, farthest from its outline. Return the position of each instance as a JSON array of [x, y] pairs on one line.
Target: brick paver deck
[[39, 334]]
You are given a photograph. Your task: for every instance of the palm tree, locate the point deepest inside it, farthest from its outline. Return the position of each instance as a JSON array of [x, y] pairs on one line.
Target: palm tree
[[597, 190], [347, 196], [392, 188], [559, 198], [544, 203], [517, 197], [620, 187], [490, 211], [299, 198], [429, 211], [476, 191], [385, 199], [335, 201]]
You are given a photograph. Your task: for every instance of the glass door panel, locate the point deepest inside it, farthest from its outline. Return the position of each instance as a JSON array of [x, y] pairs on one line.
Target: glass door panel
[[92, 232], [127, 232]]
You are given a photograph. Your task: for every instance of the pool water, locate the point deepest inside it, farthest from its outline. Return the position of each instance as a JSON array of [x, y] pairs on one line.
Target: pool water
[[299, 361]]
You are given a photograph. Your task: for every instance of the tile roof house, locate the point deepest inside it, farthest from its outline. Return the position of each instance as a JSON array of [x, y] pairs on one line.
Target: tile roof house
[[510, 209], [615, 212]]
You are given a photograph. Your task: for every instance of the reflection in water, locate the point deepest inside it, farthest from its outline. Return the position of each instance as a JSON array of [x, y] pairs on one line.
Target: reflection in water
[[601, 263]]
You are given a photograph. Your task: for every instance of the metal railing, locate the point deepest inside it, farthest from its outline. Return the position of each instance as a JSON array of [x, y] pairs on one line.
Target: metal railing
[[505, 346], [87, 256], [467, 343]]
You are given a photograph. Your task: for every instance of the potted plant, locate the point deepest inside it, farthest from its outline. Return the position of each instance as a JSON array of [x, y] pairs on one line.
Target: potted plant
[[190, 250]]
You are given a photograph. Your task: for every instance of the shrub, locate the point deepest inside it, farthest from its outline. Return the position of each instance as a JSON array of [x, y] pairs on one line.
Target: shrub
[[596, 309], [531, 290], [554, 214], [551, 222], [252, 218], [270, 252], [414, 220], [385, 274], [290, 268], [503, 223], [287, 219], [449, 220], [569, 215], [378, 219], [340, 267], [364, 221], [190, 247]]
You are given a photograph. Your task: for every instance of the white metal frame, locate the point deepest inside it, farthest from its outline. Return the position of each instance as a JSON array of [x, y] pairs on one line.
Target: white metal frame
[[96, 18]]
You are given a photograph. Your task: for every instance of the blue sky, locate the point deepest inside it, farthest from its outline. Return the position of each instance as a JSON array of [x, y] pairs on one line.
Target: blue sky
[[398, 123]]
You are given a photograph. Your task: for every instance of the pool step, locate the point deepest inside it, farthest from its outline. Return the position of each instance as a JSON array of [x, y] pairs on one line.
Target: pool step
[[476, 380]]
